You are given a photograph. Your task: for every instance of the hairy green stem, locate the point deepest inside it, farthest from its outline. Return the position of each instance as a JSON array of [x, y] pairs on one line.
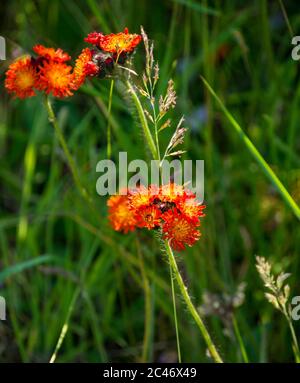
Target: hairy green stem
[[109, 119], [191, 308], [144, 123], [175, 314]]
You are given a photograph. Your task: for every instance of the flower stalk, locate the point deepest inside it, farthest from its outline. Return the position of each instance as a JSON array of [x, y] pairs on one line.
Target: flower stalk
[[109, 118], [143, 119], [193, 311], [175, 314]]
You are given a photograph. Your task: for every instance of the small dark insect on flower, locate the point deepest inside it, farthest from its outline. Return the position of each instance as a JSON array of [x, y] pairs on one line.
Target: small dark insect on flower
[[164, 206]]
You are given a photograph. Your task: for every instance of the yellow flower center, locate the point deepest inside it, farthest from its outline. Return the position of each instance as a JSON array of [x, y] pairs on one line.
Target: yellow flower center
[[58, 78], [25, 79], [181, 229]]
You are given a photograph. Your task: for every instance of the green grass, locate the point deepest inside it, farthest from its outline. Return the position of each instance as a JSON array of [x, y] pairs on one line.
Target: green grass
[[61, 263]]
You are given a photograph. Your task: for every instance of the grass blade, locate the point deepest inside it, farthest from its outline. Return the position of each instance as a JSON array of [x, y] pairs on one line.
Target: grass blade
[[255, 153], [19, 267]]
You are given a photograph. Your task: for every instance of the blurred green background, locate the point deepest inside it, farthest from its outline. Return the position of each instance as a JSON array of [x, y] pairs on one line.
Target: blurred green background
[[59, 260]]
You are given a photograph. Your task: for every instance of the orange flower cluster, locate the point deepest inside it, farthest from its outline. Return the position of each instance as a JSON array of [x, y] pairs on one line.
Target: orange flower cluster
[[108, 49], [49, 72], [171, 208], [115, 43], [112, 48]]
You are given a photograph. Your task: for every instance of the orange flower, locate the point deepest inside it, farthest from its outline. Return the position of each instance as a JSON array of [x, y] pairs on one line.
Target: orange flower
[[148, 216], [120, 42], [21, 78], [171, 192], [179, 230], [56, 77], [57, 55], [190, 208], [121, 217], [142, 196], [84, 66]]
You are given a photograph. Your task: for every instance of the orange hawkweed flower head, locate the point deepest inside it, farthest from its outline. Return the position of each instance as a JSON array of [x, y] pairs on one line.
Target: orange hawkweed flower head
[[21, 78], [84, 66], [121, 217], [171, 192], [57, 55], [119, 42], [179, 230], [149, 217], [56, 78], [190, 207], [142, 196], [172, 208], [110, 49]]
